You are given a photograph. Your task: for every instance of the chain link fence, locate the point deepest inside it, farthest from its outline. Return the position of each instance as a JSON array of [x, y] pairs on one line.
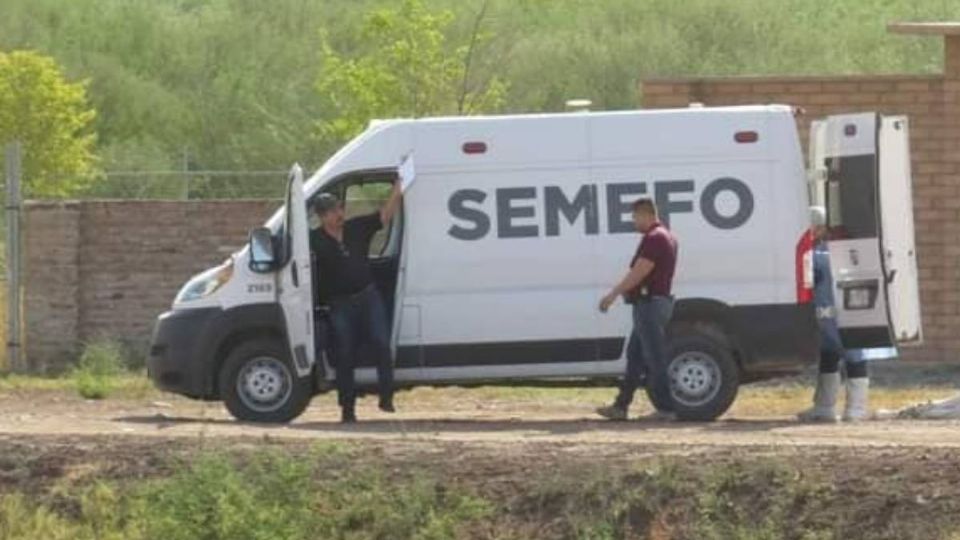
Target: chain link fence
[[188, 185]]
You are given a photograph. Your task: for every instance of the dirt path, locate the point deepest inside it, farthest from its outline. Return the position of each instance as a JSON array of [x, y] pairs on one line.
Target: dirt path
[[490, 422], [542, 460]]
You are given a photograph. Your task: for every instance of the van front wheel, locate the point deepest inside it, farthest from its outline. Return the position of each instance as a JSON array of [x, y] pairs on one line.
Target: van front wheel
[[704, 377], [258, 383]]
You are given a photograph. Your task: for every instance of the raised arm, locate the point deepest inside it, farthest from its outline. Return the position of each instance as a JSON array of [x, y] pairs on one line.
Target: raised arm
[[389, 208]]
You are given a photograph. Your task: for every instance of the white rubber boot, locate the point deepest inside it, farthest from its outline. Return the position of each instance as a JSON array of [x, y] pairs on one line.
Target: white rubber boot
[[857, 408], [824, 400]]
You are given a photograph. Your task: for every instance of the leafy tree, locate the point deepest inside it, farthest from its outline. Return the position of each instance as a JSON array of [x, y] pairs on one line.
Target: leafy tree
[[409, 69], [51, 119]]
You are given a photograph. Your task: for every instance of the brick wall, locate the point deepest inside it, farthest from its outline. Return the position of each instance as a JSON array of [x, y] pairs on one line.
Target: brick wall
[[932, 104], [106, 269], [51, 240]]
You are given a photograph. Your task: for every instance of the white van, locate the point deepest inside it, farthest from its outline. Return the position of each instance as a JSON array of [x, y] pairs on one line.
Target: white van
[[515, 226]]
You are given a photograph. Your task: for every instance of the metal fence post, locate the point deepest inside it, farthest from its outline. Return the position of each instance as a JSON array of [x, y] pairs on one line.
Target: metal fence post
[[14, 352]]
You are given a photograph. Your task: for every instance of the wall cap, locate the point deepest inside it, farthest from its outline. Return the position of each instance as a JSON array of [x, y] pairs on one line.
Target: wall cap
[[925, 28], [793, 79]]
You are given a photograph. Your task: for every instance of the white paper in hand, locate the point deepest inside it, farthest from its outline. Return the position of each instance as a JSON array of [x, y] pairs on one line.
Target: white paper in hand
[[407, 172]]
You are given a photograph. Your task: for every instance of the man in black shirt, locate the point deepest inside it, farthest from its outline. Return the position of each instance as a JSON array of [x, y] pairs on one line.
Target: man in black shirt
[[345, 283]]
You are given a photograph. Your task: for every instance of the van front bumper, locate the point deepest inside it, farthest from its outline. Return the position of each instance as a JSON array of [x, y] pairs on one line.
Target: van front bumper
[[180, 356]]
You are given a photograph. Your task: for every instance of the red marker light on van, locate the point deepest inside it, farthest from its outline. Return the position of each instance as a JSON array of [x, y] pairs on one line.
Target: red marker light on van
[[850, 130], [475, 147], [746, 137]]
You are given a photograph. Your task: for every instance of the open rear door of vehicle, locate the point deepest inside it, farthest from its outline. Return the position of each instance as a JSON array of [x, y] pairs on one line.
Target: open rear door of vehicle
[[295, 283], [863, 163], [896, 225]]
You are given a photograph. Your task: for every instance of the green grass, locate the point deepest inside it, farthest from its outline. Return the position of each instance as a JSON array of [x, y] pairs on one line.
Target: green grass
[[100, 364], [270, 495], [128, 385], [339, 490]]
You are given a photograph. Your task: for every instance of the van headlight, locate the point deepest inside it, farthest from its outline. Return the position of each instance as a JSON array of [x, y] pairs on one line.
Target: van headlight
[[205, 283]]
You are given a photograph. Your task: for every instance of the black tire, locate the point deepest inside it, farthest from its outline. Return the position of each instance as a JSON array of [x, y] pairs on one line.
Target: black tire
[[704, 375], [656, 401], [258, 383]]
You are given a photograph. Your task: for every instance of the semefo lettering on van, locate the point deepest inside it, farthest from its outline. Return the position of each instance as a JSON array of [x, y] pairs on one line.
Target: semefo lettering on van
[[515, 204]]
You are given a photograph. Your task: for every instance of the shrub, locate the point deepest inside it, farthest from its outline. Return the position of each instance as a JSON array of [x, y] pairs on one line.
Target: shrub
[[269, 496], [100, 364], [21, 520]]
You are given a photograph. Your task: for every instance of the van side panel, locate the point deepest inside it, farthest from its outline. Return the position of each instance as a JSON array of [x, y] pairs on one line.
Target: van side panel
[[511, 248], [715, 194], [791, 199], [497, 288], [502, 243]]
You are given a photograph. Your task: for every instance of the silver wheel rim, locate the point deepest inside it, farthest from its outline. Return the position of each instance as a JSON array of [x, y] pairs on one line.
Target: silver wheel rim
[[694, 378], [264, 384]]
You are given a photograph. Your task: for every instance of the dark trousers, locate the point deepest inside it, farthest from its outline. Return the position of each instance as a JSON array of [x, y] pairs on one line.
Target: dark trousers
[[832, 352], [646, 353], [356, 320]]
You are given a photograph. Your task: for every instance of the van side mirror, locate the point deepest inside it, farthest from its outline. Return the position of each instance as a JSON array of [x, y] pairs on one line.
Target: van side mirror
[[263, 255]]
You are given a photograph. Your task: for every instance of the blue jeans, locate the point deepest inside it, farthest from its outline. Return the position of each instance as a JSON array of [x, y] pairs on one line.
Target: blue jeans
[[357, 320], [832, 351], [646, 353]]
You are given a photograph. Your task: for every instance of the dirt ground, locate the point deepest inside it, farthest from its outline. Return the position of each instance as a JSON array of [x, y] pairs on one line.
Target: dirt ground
[[451, 415], [505, 442], [857, 490]]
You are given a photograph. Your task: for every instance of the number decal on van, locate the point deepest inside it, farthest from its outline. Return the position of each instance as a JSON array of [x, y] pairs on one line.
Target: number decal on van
[[258, 288]]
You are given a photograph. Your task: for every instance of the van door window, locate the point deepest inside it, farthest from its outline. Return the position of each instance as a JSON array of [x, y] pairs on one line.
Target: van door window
[[851, 197], [366, 198]]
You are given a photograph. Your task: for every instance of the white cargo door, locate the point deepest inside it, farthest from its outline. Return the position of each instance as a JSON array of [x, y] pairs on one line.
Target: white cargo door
[[897, 237], [845, 150], [295, 285]]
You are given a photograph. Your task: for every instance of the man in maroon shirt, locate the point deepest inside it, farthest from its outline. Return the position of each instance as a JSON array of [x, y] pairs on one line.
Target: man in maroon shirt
[[647, 286]]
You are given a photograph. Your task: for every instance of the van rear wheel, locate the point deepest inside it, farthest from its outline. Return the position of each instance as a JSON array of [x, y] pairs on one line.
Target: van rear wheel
[[704, 377], [258, 383]]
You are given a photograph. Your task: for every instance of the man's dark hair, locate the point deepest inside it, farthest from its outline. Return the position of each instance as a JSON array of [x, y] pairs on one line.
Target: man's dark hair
[[645, 204], [325, 202]]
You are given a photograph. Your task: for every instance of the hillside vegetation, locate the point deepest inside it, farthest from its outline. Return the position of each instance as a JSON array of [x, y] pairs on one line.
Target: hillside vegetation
[[248, 85]]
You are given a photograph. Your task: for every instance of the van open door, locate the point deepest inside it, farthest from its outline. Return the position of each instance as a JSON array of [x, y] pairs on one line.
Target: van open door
[[897, 238], [294, 281], [861, 164]]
